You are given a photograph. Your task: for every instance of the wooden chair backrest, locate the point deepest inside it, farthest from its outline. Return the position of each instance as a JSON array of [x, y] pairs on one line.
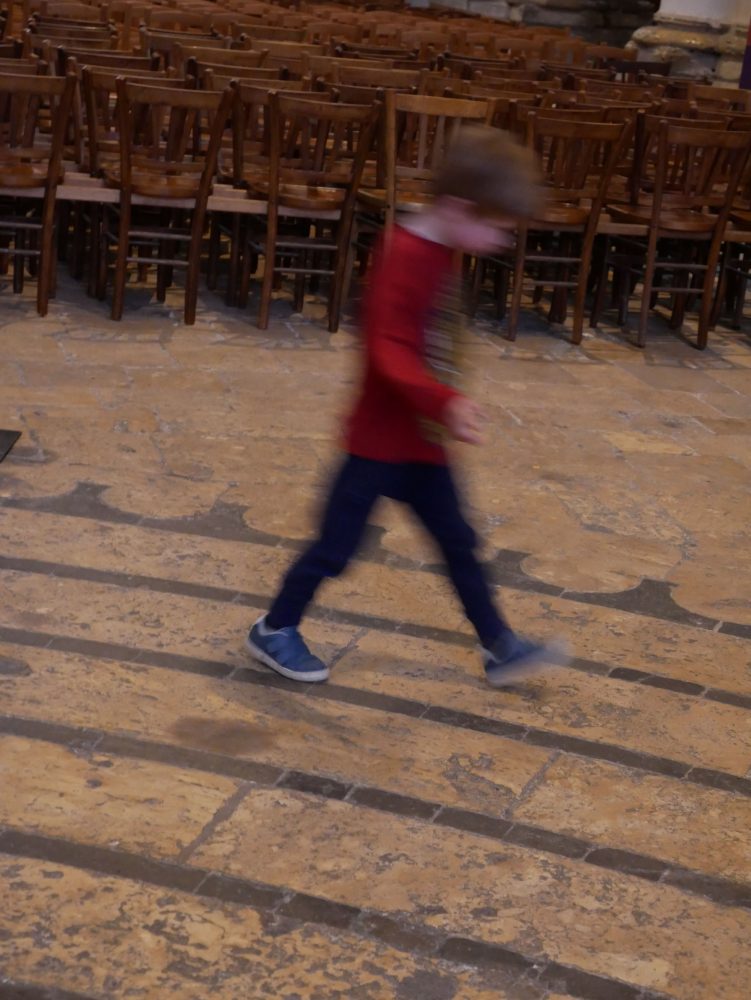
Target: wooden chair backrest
[[169, 130], [721, 97], [28, 103], [241, 58], [319, 143], [417, 132], [328, 66], [577, 158], [104, 58]]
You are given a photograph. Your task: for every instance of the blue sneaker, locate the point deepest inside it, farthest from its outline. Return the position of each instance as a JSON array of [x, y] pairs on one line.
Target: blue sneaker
[[285, 651], [512, 658]]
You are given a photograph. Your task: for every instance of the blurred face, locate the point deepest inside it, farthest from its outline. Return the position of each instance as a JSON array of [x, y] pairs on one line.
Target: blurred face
[[473, 232]]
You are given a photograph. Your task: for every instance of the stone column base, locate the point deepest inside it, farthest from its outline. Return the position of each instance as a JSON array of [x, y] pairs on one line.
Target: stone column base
[[609, 22], [697, 49]]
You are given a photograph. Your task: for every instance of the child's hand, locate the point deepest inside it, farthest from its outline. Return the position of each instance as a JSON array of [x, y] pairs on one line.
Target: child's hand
[[465, 420]]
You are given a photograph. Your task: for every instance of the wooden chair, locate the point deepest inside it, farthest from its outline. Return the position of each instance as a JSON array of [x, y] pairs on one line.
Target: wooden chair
[[272, 33], [172, 19], [622, 91], [367, 76], [466, 66], [40, 23], [633, 71], [166, 43], [102, 120], [249, 165], [42, 44], [417, 131], [12, 48], [350, 50], [683, 208], [241, 59], [318, 151], [61, 10], [330, 33], [329, 67], [170, 141], [103, 58], [27, 67], [346, 93], [604, 55], [578, 160], [570, 51], [215, 76], [30, 170], [720, 98], [735, 261], [103, 35]]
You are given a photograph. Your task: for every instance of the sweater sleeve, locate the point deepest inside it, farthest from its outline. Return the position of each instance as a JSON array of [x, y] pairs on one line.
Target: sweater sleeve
[[395, 336]]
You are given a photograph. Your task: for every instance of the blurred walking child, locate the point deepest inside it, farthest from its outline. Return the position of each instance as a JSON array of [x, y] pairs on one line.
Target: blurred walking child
[[410, 403]]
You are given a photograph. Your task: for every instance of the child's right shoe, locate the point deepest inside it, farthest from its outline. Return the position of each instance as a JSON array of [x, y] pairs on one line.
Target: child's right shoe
[[284, 650], [512, 658]]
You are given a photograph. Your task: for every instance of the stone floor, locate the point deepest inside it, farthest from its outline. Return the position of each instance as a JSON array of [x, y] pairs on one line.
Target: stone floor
[[177, 823]]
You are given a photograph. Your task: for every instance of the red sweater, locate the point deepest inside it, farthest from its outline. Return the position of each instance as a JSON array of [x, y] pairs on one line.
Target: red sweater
[[398, 388]]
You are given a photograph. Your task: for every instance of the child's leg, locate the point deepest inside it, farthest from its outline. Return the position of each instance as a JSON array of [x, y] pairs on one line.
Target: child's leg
[[435, 501], [357, 487]]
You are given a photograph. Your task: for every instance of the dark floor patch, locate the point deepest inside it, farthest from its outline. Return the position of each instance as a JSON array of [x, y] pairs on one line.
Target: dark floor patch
[[229, 736], [7, 440], [652, 598], [27, 991], [423, 984], [13, 668]]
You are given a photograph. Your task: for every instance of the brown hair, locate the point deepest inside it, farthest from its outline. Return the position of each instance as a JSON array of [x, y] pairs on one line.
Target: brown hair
[[489, 168]]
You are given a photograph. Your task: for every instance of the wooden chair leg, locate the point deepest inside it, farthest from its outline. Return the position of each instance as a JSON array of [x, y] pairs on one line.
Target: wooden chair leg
[[102, 262], [501, 291], [349, 266], [237, 234], [247, 267], [121, 263], [647, 293], [45, 278], [19, 261], [193, 273], [726, 286], [740, 296], [516, 292], [600, 287], [162, 279], [298, 299], [339, 279], [212, 270], [269, 272], [478, 274], [705, 311], [580, 294], [683, 279]]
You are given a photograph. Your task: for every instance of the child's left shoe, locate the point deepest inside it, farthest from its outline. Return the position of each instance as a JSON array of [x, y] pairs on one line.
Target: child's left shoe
[[284, 650], [512, 658]]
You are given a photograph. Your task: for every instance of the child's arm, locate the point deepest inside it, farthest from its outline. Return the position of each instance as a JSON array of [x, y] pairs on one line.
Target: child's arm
[[395, 340], [464, 420]]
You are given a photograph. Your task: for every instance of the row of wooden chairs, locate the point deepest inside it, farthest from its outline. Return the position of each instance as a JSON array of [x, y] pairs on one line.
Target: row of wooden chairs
[[499, 93], [686, 180]]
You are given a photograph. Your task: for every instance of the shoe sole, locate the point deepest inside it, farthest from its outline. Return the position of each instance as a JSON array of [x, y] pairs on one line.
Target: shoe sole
[[310, 676], [552, 654]]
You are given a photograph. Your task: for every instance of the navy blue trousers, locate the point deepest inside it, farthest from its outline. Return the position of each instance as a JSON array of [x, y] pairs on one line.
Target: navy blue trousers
[[430, 491]]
